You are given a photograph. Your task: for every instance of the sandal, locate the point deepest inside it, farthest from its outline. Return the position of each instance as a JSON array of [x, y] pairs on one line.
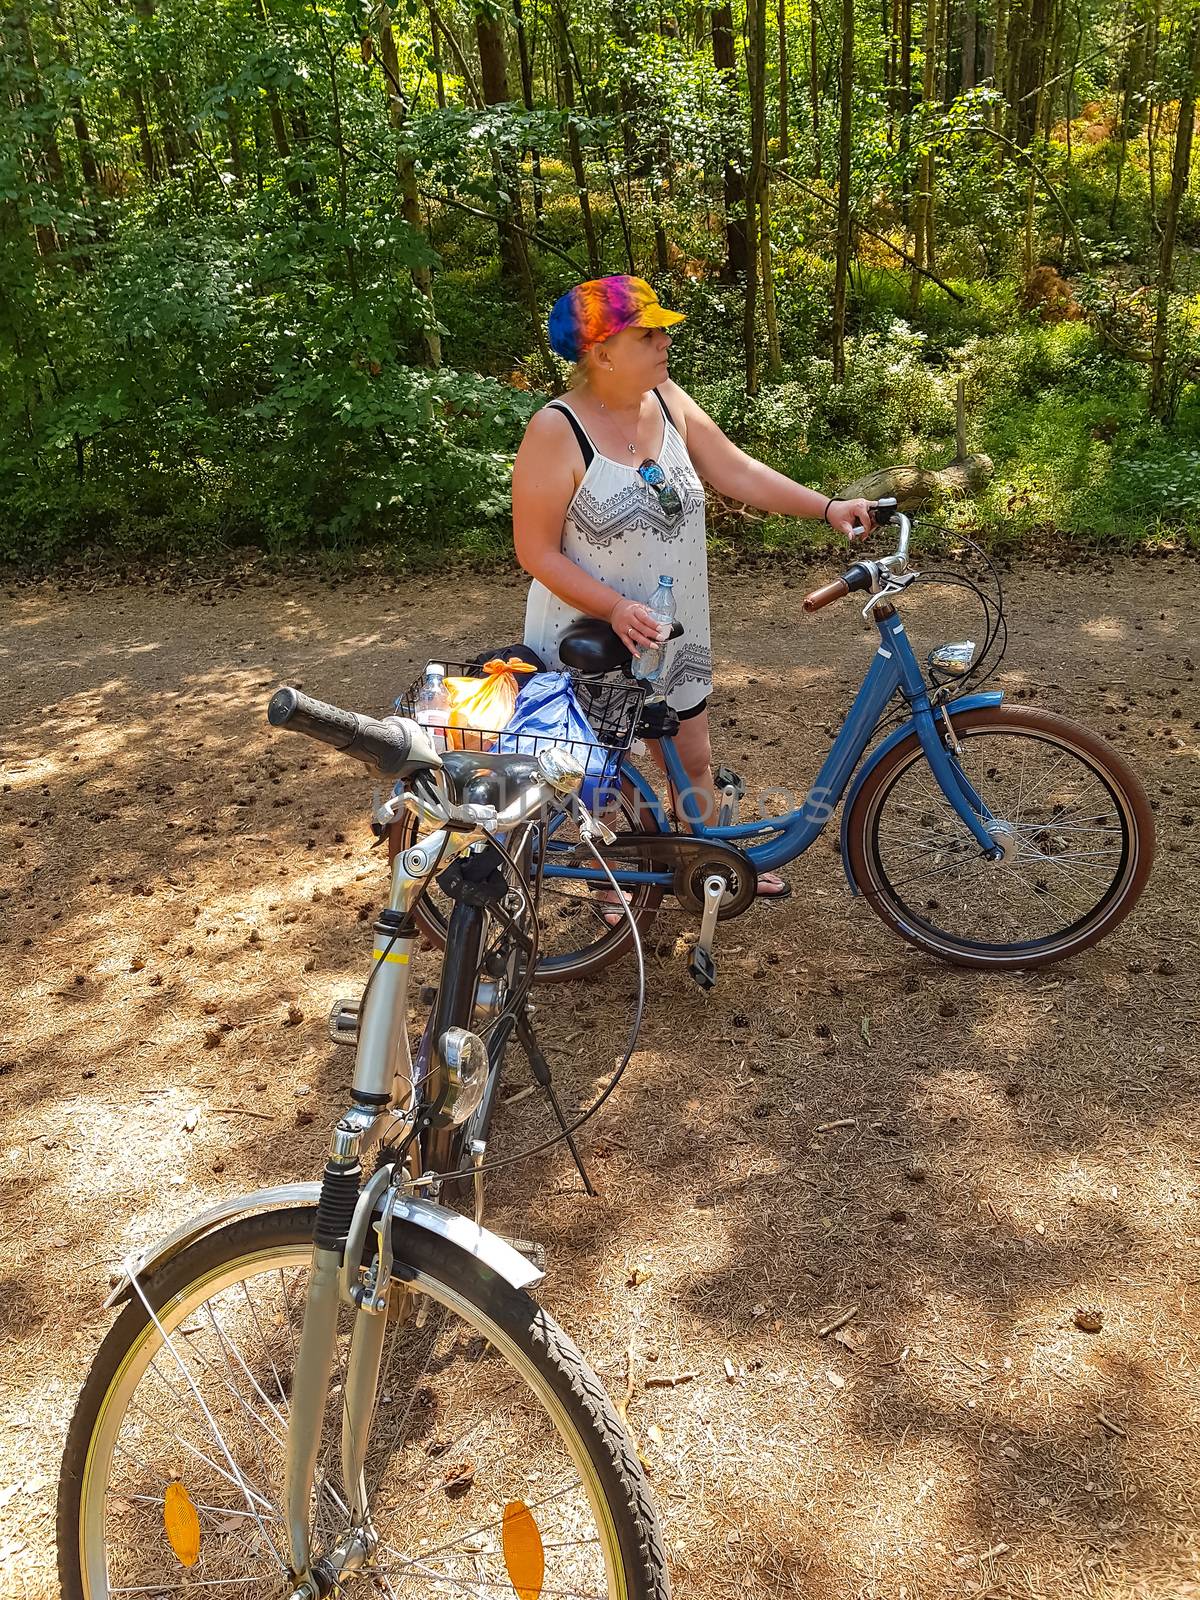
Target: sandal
[[772, 887], [613, 917]]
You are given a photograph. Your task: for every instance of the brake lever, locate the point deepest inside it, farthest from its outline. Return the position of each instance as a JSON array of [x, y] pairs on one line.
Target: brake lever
[[894, 585]]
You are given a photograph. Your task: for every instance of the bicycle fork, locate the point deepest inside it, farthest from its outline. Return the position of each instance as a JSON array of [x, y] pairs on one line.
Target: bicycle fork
[[383, 1075]]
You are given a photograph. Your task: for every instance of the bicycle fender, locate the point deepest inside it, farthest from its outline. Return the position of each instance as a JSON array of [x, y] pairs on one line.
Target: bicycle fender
[[458, 1231], [969, 702]]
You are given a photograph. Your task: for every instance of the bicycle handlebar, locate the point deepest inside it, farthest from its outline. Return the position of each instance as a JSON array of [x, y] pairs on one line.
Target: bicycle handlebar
[[826, 594], [385, 746], [864, 575]]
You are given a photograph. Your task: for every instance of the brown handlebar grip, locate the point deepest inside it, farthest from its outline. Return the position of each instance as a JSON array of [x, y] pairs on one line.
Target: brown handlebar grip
[[826, 595]]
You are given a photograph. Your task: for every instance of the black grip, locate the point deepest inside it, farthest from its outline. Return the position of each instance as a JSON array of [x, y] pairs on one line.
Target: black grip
[[857, 577], [382, 745]]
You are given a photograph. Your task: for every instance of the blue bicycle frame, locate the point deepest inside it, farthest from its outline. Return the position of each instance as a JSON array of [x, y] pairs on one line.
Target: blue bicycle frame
[[893, 668]]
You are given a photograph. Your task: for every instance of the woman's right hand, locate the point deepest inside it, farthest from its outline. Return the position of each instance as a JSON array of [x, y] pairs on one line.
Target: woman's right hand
[[633, 625]]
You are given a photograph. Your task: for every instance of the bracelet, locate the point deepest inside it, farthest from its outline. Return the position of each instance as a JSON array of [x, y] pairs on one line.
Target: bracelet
[[825, 513]]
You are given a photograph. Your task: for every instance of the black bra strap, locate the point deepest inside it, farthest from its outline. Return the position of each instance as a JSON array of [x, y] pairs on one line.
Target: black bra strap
[[665, 412], [585, 444]]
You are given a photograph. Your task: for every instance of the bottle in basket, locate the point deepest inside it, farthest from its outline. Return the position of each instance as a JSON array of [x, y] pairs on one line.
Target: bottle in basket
[[433, 704], [649, 661]]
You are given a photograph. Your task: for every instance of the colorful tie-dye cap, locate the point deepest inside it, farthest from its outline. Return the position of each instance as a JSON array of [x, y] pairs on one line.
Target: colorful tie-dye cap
[[601, 307]]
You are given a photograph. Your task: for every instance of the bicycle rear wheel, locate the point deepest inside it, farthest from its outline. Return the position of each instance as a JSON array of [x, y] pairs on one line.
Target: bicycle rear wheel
[[1071, 817], [485, 1407]]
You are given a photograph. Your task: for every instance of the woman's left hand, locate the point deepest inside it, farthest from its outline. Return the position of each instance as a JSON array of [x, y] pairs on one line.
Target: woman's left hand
[[851, 517]]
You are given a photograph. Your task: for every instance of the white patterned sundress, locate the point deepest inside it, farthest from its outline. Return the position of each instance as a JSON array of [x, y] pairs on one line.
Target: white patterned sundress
[[616, 531]]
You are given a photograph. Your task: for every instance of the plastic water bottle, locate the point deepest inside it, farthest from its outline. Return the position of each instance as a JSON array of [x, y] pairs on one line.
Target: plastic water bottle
[[433, 704], [648, 663]]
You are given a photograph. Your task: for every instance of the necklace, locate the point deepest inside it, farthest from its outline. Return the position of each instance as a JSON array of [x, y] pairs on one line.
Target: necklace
[[632, 448]]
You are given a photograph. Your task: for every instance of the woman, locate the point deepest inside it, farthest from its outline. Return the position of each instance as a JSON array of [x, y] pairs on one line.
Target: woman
[[595, 524]]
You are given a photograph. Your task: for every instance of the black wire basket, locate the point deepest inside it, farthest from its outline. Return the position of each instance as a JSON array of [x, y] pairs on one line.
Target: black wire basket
[[612, 707]]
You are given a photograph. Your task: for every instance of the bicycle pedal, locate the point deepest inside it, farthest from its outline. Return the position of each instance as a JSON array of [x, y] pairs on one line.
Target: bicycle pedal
[[726, 778], [533, 1252], [343, 1022], [703, 969]]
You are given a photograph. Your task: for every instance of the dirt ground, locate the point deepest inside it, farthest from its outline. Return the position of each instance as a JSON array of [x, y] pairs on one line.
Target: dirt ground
[[843, 1123]]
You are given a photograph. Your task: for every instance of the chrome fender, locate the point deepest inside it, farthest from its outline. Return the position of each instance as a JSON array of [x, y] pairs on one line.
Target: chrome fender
[[458, 1231], [969, 702]]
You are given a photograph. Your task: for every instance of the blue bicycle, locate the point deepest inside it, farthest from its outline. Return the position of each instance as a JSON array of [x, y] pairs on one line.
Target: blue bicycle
[[989, 835]]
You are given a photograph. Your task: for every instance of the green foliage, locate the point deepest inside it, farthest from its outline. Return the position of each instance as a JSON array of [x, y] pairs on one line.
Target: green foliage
[[221, 375], [211, 332]]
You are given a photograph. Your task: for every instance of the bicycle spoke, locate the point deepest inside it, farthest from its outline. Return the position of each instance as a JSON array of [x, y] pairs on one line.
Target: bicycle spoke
[[1060, 830]]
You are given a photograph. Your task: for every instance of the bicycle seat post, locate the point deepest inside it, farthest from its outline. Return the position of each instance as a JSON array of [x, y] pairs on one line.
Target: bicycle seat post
[[732, 790]]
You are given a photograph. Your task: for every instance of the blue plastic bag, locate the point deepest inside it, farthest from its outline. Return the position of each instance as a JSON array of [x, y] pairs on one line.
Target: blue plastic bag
[[548, 708]]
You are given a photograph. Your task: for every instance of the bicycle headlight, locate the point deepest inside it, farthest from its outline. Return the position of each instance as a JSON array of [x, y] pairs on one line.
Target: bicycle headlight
[[464, 1061], [952, 660]]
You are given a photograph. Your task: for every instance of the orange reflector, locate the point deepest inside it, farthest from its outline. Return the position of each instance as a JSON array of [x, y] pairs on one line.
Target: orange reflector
[[523, 1553], [182, 1523]]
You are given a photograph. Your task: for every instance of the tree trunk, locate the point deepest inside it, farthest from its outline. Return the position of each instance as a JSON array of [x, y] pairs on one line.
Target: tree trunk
[[903, 93], [233, 134], [814, 85], [460, 60], [493, 76], [891, 65], [578, 169], [283, 145], [969, 17], [406, 178], [49, 156], [1162, 396], [172, 139], [527, 96], [149, 155], [589, 105], [842, 266], [514, 254], [301, 140], [1000, 62], [756, 72], [923, 206], [83, 138], [736, 232], [1125, 126], [1152, 114], [435, 45], [42, 163], [781, 23], [659, 180], [767, 271], [1076, 46], [989, 54]]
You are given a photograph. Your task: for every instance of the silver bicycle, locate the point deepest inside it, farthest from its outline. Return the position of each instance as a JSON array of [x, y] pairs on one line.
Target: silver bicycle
[[344, 1386]]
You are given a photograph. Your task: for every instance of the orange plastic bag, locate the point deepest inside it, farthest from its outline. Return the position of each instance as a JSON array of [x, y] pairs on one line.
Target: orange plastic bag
[[485, 704]]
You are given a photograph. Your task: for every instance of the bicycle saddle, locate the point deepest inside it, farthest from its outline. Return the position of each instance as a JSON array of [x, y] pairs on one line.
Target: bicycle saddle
[[486, 779], [591, 646]]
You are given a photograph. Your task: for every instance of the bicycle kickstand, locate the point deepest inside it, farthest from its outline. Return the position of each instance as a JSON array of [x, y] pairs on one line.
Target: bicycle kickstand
[[540, 1068], [702, 966]]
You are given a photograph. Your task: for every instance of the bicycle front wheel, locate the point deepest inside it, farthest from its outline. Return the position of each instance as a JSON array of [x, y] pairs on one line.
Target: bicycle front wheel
[[1071, 819], [496, 1462]]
